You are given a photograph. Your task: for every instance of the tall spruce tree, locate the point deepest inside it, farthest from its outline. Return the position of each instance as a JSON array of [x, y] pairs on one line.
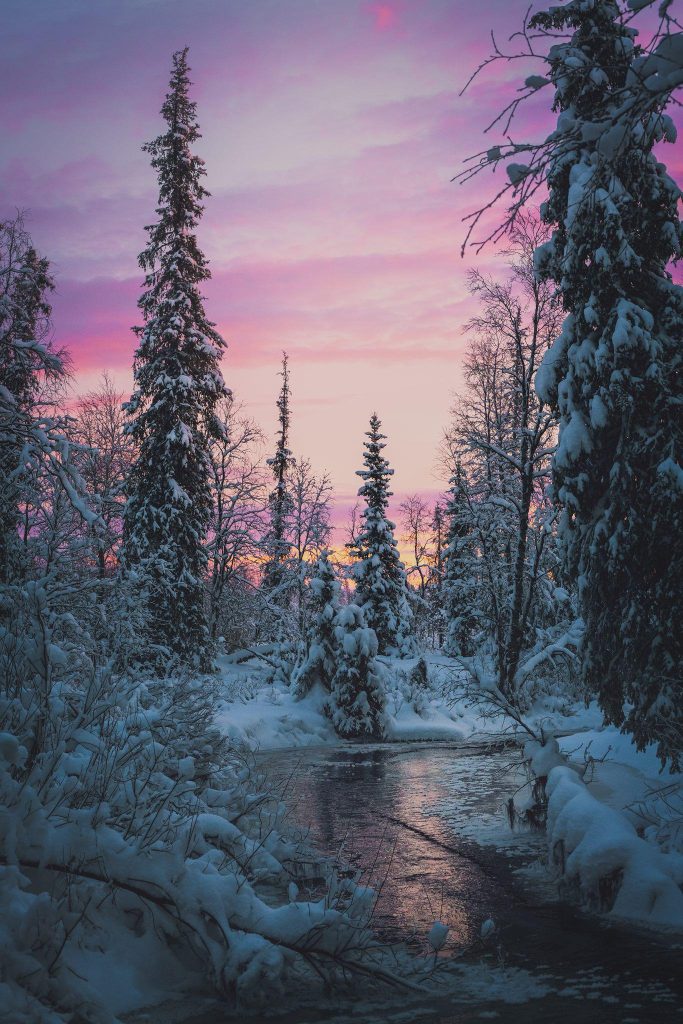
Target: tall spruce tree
[[178, 384], [459, 584], [614, 372], [280, 499], [28, 362], [379, 573]]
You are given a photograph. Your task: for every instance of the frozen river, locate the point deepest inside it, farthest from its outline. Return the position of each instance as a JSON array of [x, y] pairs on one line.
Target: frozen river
[[428, 822]]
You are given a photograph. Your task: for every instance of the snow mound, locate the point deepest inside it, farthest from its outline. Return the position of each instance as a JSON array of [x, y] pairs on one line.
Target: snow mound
[[597, 842]]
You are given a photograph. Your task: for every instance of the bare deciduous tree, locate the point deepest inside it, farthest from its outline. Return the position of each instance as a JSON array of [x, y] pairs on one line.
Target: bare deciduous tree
[[416, 519], [105, 463], [240, 503], [309, 527], [505, 437]]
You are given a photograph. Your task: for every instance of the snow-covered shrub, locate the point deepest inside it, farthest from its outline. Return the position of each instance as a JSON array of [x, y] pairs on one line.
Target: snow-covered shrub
[[419, 675], [282, 661], [240, 689], [408, 684], [129, 830], [356, 702], [658, 815], [320, 660]]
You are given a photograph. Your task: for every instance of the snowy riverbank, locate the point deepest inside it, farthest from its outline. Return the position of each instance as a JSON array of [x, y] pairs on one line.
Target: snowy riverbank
[[268, 716], [613, 813]]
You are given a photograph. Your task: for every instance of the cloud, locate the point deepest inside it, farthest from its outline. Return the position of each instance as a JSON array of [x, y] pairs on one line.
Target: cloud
[[331, 132]]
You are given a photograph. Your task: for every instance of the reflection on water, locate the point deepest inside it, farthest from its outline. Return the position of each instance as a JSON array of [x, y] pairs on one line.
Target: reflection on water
[[409, 817], [378, 810]]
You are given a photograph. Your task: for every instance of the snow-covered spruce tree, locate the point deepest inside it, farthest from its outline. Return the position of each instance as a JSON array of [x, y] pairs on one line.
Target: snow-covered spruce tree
[[27, 361], [276, 575], [379, 574], [614, 372], [459, 582], [279, 576], [38, 475], [321, 656], [178, 385], [356, 704]]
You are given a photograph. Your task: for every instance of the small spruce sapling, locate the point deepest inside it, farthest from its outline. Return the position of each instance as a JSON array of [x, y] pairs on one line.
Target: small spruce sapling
[[356, 704], [322, 652]]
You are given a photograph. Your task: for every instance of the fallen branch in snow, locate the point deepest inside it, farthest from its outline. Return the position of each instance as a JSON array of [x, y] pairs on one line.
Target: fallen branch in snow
[[260, 656], [566, 645], [354, 953]]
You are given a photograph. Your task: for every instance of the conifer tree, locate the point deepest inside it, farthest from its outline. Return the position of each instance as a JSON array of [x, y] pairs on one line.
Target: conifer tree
[[435, 579], [280, 500], [28, 363], [379, 573], [322, 652], [614, 372], [178, 385], [460, 570], [356, 704]]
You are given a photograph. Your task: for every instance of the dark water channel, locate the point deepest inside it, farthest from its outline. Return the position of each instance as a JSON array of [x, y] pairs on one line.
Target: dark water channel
[[427, 821]]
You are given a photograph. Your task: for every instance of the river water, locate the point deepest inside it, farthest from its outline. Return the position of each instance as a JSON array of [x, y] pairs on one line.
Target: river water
[[427, 823]]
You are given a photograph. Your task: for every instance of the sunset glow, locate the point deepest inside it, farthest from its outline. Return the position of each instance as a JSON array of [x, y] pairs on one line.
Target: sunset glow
[[331, 133]]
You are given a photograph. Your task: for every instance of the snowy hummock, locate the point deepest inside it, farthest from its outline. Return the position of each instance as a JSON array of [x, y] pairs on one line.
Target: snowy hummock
[[599, 831]]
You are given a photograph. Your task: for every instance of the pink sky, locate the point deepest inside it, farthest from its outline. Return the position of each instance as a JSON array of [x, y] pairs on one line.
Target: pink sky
[[331, 131]]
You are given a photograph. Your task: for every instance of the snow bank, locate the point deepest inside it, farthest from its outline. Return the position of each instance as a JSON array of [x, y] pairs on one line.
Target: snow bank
[[270, 717], [598, 842], [432, 723], [597, 848]]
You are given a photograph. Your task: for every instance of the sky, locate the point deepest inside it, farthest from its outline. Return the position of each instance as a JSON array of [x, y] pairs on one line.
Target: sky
[[331, 132]]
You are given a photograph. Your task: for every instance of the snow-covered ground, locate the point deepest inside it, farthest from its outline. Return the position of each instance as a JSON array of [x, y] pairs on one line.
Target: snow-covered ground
[[268, 716]]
